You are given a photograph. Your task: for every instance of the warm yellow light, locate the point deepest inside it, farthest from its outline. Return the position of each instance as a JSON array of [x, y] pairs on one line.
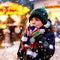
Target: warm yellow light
[[20, 13], [25, 10], [2, 26], [10, 8], [16, 18], [27, 24], [20, 8], [1, 12], [3, 18]]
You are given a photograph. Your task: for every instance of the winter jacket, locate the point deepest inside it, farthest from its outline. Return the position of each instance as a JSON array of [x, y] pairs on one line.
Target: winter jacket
[[42, 46]]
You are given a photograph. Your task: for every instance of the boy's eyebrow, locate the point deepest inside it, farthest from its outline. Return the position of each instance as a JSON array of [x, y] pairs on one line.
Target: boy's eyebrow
[[37, 19]]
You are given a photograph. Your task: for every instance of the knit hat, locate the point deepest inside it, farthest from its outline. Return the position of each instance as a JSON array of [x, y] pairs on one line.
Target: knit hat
[[40, 13]]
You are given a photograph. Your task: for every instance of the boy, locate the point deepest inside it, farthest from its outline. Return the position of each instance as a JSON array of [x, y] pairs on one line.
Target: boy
[[37, 43]]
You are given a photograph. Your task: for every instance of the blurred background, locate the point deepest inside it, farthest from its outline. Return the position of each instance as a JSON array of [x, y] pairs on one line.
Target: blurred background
[[14, 15]]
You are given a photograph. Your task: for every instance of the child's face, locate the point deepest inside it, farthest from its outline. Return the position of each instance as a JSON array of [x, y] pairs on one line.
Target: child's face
[[36, 22]]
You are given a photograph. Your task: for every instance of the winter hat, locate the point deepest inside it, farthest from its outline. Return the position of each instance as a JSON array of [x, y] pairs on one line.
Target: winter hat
[[40, 13]]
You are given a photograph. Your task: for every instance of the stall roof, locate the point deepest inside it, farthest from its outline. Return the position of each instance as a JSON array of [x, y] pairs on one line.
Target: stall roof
[[13, 8]]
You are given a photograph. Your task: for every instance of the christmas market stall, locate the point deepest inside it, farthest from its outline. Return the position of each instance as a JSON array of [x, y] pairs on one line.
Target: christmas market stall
[[11, 17]]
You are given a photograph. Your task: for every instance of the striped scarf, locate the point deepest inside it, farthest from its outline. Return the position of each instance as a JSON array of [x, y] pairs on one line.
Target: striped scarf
[[35, 32]]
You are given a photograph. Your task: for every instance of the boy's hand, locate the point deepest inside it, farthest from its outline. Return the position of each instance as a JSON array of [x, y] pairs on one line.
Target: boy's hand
[[42, 31]]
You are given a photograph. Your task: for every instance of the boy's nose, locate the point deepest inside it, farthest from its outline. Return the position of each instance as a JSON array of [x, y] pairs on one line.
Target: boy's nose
[[33, 22]]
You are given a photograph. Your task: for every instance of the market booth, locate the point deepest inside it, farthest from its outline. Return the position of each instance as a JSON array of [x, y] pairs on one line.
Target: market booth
[[11, 17]]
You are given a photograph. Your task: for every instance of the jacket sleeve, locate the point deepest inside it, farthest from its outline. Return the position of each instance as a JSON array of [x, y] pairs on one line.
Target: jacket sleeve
[[48, 43]]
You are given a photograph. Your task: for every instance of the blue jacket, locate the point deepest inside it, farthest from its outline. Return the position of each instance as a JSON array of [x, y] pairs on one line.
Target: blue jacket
[[48, 43], [43, 44]]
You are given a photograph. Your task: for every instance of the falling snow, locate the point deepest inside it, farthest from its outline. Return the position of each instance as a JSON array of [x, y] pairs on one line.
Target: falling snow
[[10, 53]]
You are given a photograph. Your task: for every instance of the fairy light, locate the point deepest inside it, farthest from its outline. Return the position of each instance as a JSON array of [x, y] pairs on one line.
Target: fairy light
[[3, 18]]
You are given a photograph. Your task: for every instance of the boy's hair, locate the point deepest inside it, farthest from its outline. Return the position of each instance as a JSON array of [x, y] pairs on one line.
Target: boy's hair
[[52, 26]]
